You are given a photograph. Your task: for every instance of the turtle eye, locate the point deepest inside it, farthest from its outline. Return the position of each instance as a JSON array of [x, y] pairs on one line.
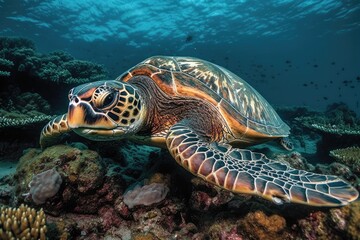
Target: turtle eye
[[106, 100], [109, 100]]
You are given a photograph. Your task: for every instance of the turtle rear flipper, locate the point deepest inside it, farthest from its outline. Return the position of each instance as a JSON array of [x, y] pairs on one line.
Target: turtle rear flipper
[[52, 132], [244, 171]]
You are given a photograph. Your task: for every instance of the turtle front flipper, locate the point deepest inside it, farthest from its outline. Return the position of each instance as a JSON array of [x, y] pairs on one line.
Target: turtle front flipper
[[52, 131], [244, 171]]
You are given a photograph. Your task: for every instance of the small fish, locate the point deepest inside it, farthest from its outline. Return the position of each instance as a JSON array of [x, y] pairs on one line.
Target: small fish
[[305, 85], [287, 61], [333, 63], [315, 65], [325, 98], [188, 38]]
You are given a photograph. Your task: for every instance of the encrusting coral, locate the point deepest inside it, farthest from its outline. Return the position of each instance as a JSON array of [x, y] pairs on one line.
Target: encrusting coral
[[349, 156], [22, 223]]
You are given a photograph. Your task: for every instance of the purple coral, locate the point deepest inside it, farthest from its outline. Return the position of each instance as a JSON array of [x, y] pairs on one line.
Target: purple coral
[[146, 195], [45, 185]]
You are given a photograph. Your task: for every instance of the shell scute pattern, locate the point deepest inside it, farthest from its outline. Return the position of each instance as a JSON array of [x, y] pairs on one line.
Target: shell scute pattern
[[217, 85]]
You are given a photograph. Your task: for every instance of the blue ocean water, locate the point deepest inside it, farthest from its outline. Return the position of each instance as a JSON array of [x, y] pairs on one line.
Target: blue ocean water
[[293, 52]]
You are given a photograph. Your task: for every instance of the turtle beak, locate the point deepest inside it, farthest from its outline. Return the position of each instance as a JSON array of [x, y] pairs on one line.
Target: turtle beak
[[82, 115]]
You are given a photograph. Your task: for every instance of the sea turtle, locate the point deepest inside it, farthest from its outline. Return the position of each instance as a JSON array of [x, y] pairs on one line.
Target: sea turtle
[[203, 114]]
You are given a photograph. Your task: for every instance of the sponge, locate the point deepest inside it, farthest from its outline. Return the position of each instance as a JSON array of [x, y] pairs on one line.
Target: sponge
[[45, 185]]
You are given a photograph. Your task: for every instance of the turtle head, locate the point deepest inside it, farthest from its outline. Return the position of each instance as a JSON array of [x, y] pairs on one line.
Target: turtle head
[[105, 110]]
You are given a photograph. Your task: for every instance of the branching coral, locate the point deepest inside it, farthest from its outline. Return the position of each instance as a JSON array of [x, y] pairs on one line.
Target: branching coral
[[349, 156], [22, 223]]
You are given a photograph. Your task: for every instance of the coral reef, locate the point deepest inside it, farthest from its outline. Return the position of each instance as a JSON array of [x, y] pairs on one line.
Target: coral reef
[[257, 225], [92, 202], [23, 109], [349, 156], [338, 119], [18, 56], [82, 172], [22, 223], [337, 223]]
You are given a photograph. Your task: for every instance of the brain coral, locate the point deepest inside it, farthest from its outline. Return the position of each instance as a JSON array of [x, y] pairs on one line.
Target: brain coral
[[45, 185]]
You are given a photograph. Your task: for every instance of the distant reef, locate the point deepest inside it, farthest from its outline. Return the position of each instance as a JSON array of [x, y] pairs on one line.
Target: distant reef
[[18, 58], [34, 86]]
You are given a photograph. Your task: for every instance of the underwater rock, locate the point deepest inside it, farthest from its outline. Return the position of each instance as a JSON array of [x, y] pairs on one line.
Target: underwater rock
[[86, 188], [349, 156], [206, 196], [22, 223], [44, 185]]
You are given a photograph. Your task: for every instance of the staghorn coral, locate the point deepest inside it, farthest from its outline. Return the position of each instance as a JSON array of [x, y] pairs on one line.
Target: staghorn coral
[[349, 156], [22, 223]]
